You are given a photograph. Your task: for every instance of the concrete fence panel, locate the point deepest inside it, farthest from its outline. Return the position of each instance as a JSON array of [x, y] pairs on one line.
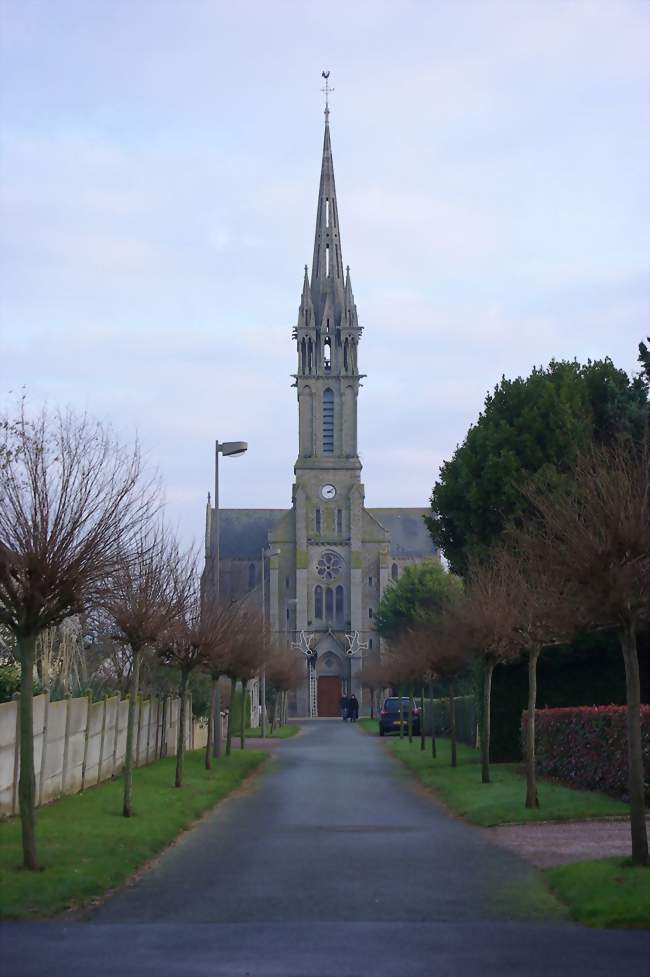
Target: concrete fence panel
[[8, 755], [75, 751], [108, 741], [94, 729], [120, 737], [53, 751], [78, 743]]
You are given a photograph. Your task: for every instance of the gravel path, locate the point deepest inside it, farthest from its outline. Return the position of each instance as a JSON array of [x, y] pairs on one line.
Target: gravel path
[[550, 843]]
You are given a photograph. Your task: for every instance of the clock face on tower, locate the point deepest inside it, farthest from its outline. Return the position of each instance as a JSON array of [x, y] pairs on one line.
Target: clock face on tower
[[328, 492]]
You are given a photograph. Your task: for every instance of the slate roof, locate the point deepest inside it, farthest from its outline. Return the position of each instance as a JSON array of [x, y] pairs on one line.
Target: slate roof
[[409, 536], [243, 532]]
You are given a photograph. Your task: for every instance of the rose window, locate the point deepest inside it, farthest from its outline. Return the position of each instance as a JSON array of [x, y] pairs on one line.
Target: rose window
[[329, 566]]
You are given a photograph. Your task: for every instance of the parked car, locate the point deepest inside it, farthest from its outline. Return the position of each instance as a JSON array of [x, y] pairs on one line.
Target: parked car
[[389, 721]]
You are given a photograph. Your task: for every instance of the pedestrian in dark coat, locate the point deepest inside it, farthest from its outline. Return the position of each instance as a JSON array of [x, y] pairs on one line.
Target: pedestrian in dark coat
[[344, 706], [353, 708]]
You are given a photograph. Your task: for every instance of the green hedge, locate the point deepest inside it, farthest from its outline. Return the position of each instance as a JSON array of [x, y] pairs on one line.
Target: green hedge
[[590, 672]]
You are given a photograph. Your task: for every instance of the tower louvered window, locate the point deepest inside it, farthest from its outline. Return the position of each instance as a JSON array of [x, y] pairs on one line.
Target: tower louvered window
[[328, 422]]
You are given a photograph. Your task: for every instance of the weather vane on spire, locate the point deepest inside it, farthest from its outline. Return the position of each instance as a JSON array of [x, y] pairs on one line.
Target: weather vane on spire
[[327, 90]]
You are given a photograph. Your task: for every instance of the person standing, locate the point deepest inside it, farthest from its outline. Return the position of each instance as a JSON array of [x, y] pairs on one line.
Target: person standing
[[353, 708], [344, 707]]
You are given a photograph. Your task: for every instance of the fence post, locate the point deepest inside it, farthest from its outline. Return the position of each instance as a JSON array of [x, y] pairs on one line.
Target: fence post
[[41, 774], [66, 744], [89, 697], [117, 732], [14, 793], [101, 744], [146, 749]]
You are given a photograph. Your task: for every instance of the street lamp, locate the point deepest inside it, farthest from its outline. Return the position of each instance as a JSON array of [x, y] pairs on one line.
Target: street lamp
[[231, 449], [270, 553]]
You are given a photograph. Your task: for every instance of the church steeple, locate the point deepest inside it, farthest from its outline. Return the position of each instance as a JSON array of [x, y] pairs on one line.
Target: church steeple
[[327, 282], [327, 335]]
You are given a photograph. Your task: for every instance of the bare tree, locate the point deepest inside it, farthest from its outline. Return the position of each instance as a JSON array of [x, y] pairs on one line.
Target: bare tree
[[440, 651], [596, 533], [485, 625], [72, 498], [245, 651], [373, 678], [143, 600], [284, 673], [221, 621], [545, 612]]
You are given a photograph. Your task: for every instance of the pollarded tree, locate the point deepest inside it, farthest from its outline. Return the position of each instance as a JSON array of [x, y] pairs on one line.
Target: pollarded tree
[[373, 678], [485, 625], [284, 673], [545, 611], [185, 645], [596, 533], [246, 648], [222, 620], [72, 500], [440, 651], [144, 597]]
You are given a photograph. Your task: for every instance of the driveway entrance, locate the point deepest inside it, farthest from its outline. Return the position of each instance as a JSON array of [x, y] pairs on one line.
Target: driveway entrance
[[329, 694]]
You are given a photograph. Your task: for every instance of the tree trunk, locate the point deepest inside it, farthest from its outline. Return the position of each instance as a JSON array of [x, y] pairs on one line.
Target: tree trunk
[[410, 715], [242, 724], [433, 723], [634, 746], [372, 703], [27, 782], [422, 733], [401, 712], [127, 806], [275, 711], [488, 668], [211, 724], [180, 742], [452, 722], [532, 799], [216, 718], [233, 688]]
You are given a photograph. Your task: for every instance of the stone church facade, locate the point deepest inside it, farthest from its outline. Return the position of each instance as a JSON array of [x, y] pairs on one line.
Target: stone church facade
[[327, 560]]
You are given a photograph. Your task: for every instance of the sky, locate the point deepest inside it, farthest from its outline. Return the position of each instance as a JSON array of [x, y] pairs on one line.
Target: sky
[[159, 166]]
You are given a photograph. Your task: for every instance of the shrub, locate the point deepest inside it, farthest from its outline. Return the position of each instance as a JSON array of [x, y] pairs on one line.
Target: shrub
[[587, 746]]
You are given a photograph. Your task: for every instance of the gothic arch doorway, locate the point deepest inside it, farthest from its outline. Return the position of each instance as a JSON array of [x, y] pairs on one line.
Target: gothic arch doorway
[[329, 670]]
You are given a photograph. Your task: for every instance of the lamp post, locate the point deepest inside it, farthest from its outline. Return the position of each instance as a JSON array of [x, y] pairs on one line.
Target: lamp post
[[270, 553], [230, 449]]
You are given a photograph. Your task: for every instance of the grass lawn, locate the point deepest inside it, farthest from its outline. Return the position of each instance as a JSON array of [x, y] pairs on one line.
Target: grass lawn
[[86, 847], [281, 732], [502, 801], [605, 892]]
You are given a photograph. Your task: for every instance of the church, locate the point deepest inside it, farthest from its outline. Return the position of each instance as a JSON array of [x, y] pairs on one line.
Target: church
[[319, 568]]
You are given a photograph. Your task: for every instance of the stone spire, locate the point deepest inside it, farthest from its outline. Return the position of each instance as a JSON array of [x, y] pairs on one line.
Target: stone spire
[[327, 282]]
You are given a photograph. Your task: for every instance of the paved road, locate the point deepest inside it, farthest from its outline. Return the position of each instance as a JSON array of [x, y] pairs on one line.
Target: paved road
[[334, 864]]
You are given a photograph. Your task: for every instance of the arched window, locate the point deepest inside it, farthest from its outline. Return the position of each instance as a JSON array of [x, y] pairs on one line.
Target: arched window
[[318, 603], [394, 571], [317, 521], [328, 421], [303, 355], [252, 575], [329, 604], [340, 603], [345, 354], [327, 353]]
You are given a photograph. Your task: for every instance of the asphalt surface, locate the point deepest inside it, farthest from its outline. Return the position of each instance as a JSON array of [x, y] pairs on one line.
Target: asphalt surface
[[333, 863]]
